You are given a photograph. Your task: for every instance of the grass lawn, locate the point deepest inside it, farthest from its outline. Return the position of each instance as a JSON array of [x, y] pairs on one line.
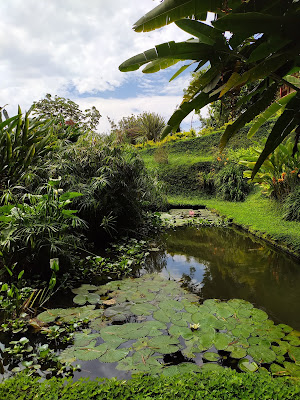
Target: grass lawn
[[176, 159], [258, 214]]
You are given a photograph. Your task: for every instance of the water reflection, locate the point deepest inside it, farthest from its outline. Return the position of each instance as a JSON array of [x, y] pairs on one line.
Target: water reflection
[[226, 263]]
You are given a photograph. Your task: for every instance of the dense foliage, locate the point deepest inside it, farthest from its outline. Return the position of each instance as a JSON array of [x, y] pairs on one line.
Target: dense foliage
[[263, 50], [117, 190], [138, 129], [227, 385]]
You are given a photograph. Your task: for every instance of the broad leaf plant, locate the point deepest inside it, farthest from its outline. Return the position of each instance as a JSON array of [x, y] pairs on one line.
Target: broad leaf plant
[[250, 41]]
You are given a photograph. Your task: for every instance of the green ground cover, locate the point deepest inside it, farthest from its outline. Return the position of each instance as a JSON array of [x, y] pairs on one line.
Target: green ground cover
[[258, 214], [225, 385]]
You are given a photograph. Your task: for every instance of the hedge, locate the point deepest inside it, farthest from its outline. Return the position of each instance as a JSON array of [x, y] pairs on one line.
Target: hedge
[[209, 385]]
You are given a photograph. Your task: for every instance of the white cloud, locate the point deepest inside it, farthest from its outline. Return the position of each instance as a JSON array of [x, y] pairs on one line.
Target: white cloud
[[51, 46], [74, 47], [115, 109]]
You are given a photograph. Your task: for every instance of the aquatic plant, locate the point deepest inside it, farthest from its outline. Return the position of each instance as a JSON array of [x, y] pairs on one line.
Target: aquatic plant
[[165, 317]]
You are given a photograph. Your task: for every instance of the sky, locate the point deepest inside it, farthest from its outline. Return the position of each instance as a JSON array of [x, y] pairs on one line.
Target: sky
[[72, 48]]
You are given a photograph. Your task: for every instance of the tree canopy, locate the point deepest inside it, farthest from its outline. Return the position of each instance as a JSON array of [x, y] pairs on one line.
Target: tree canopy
[[250, 42]]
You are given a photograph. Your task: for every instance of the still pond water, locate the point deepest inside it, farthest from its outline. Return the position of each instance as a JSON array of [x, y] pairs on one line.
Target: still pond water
[[225, 263]]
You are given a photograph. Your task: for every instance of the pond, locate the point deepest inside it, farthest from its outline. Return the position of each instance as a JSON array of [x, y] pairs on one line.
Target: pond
[[227, 263], [156, 325]]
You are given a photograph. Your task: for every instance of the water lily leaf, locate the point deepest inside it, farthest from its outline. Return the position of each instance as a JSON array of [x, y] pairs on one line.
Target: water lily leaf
[[243, 313], [292, 369], [261, 354], [161, 316], [119, 312], [293, 339], [143, 309], [241, 331], [294, 354], [211, 304], [211, 367], [141, 355], [184, 368], [206, 340], [82, 339], [190, 308], [224, 310], [130, 332], [282, 347], [171, 304], [222, 340], [91, 298], [155, 325], [278, 370], [285, 328], [181, 319], [50, 315], [102, 290], [113, 355], [163, 344], [238, 352], [210, 356], [259, 315], [177, 331], [98, 324], [90, 353], [246, 366]]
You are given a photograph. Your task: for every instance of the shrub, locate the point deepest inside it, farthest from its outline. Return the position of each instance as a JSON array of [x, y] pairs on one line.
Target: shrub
[[291, 206], [210, 385], [230, 184], [23, 142], [117, 189], [41, 228]]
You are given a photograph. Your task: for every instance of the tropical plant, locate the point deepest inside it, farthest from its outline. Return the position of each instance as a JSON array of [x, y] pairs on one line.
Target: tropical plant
[[40, 228], [262, 49], [138, 128], [278, 175], [230, 184], [23, 142], [117, 188], [67, 112]]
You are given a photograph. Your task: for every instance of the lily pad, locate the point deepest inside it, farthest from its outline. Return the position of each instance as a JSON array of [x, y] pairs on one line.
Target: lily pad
[[222, 340], [246, 366], [143, 309], [82, 299], [294, 354], [261, 354], [113, 355], [90, 353], [210, 356], [161, 316]]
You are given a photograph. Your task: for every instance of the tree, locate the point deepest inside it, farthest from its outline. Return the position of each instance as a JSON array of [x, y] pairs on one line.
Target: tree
[[67, 111], [262, 49], [138, 129]]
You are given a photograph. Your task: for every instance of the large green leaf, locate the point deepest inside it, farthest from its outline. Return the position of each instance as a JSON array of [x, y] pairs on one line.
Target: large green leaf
[[205, 33], [185, 109], [283, 126], [269, 112], [254, 110], [190, 50], [174, 10], [252, 22]]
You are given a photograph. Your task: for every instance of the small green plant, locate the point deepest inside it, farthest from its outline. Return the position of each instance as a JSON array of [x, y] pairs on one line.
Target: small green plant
[[23, 141], [41, 228]]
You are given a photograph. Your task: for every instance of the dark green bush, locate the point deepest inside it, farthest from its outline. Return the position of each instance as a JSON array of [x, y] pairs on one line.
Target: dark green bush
[[230, 184], [291, 206], [117, 189], [225, 385]]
